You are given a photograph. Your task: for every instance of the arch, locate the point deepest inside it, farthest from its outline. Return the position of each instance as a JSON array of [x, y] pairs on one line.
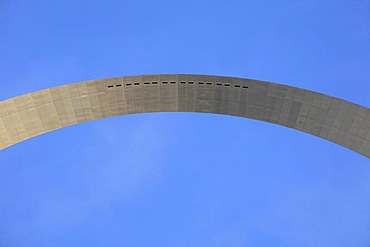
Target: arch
[[330, 118]]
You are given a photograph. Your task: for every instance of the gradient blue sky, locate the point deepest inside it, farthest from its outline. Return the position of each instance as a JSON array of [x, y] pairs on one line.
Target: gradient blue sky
[[182, 179]]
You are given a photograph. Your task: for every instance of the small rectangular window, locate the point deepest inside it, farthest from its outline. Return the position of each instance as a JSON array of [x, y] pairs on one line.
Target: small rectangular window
[[110, 85], [118, 85], [164, 82], [219, 84], [201, 83], [245, 87], [227, 85], [236, 86], [154, 82], [191, 82], [146, 83], [183, 82], [128, 84], [172, 82]]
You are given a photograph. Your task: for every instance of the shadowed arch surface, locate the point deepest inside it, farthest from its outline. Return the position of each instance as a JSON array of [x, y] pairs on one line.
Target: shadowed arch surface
[[330, 118]]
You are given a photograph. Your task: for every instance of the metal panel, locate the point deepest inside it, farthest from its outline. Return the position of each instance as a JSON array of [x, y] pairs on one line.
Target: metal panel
[[330, 118]]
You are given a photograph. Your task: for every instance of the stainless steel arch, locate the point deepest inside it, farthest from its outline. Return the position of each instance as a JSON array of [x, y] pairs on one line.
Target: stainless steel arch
[[330, 118]]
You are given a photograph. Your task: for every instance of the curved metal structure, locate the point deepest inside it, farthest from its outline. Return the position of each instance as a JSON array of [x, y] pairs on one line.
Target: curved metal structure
[[330, 118]]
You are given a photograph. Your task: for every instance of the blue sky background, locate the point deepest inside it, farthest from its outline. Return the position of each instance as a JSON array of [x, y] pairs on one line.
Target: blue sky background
[[183, 179]]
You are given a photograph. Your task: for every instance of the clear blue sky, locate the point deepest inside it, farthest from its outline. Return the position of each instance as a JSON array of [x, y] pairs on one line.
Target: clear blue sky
[[182, 179]]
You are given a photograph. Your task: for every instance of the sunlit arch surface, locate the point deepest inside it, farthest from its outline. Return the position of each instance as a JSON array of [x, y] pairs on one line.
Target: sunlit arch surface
[[330, 118]]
